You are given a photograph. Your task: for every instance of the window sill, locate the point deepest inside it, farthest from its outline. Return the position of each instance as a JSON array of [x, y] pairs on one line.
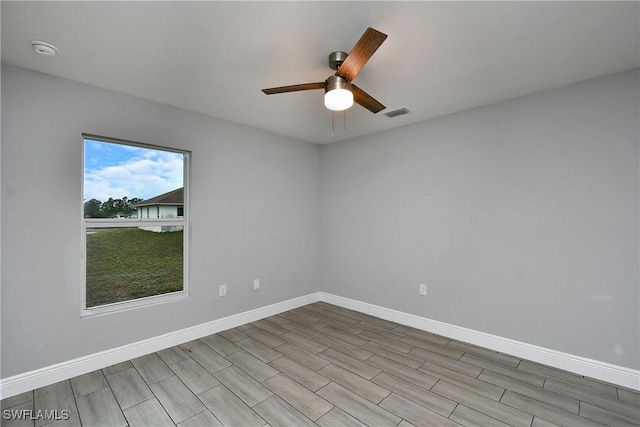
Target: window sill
[[119, 307]]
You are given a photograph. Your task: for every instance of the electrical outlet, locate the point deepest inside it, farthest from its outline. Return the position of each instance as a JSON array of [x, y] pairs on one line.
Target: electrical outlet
[[256, 284], [423, 289], [223, 290]]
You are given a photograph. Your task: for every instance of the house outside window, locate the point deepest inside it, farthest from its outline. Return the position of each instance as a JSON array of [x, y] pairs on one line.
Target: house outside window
[[166, 205], [135, 242]]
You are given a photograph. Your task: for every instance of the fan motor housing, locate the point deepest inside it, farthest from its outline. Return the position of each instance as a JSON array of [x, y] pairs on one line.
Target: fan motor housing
[[337, 82], [336, 59]]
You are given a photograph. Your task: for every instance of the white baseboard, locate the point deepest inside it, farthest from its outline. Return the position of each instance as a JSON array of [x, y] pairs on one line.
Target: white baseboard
[[61, 371], [603, 371], [51, 374]]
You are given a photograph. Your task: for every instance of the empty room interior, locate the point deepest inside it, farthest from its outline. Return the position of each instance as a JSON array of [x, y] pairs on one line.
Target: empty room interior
[[320, 213]]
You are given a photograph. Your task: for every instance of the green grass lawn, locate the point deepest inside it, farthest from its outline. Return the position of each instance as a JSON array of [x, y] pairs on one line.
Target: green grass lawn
[[129, 263]]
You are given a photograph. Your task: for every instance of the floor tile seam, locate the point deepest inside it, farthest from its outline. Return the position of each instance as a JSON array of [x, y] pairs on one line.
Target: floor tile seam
[[355, 415], [602, 407], [491, 351], [424, 360], [419, 403], [493, 417], [52, 421], [555, 405], [454, 408], [114, 398], [314, 393], [378, 332], [512, 378], [401, 417], [501, 365], [80, 418], [348, 369], [201, 412], [392, 362], [356, 392], [235, 395], [197, 363], [256, 379], [237, 367], [559, 371], [141, 376], [435, 362], [480, 410], [19, 404], [452, 377], [151, 398], [95, 391], [381, 343], [213, 348], [591, 402], [296, 409], [436, 345], [520, 381], [626, 401], [623, 416], [131, 406], [160, 401], [292, 379], [400, 353], [106, 386], [620, 388], [263, 343], [33, 392], [543, 404], [307, 351], [273, 333]]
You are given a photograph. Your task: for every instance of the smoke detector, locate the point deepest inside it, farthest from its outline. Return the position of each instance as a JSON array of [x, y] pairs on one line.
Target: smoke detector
[[44, 48]]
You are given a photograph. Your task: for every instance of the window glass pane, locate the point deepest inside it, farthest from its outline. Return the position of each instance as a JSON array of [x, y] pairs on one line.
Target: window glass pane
[[120, 180], [127, 263]]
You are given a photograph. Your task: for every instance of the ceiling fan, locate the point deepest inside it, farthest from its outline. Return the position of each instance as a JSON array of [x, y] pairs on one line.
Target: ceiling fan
[[339, 92]]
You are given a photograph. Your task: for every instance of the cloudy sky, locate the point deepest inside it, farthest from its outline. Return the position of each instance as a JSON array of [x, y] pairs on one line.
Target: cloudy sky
[[115, 170]]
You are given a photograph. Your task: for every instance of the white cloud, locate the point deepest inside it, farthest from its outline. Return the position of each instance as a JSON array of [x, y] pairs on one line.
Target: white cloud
[[144, 175]]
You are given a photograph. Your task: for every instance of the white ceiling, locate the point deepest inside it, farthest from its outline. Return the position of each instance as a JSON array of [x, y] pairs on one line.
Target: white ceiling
[[214, 57]]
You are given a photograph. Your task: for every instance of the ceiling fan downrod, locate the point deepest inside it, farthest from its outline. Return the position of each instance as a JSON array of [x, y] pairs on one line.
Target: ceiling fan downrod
[[336, 59]]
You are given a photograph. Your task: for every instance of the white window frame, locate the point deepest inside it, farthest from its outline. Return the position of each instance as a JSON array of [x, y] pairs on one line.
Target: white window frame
[[136, 222]]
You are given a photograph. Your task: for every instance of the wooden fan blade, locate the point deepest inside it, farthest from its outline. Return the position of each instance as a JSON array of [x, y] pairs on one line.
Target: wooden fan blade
[[294, 88], [366, 100], [360, 54]]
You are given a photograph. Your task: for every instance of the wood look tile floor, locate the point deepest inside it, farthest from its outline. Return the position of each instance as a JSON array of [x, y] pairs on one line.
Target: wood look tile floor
[[328, 366]]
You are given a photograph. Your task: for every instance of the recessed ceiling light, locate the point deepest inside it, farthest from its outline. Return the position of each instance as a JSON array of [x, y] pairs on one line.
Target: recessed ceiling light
[[44, 48]]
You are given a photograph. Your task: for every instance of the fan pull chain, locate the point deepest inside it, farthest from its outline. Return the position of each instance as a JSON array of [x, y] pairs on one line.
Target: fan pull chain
[[333, 125]]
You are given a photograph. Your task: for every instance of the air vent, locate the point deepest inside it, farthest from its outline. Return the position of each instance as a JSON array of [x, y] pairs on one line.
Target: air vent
[[396, 113]]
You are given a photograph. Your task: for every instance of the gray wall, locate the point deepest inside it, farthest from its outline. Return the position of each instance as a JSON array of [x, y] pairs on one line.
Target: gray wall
[[522, 218], [254, 213]]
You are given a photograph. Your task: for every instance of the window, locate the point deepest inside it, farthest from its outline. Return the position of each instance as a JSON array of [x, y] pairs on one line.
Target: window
[[134, 224]]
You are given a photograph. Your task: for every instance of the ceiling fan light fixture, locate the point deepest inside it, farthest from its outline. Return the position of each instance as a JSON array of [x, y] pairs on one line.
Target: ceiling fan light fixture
[[338, 95]]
